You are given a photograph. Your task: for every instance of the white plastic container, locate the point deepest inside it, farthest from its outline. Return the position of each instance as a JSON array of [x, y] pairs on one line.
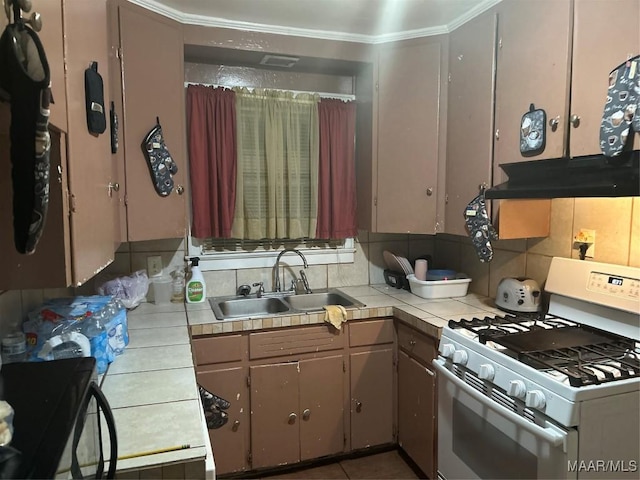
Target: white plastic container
[[439, 288], [162, 289]]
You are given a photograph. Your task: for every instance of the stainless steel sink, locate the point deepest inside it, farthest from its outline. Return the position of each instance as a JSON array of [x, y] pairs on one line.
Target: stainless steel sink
[[273, 304], [247, 307], [316, 301]]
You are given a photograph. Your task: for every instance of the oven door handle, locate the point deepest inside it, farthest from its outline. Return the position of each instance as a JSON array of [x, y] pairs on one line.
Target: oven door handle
[[551, 436]]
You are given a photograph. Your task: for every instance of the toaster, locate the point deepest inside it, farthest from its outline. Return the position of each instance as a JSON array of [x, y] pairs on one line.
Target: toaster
[[518, 295]]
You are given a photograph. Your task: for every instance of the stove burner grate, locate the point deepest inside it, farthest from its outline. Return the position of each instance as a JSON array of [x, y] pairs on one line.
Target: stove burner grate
[[585, 355]]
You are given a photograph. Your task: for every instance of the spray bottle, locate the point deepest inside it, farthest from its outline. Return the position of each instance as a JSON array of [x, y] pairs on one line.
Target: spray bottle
[[196, 290]]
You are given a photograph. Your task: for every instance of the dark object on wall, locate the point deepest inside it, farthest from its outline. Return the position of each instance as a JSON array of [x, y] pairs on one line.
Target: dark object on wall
[[113, 117], [481, 231], [161, 165], [25, 82], [94, 97], [532, 132], [588, 176]]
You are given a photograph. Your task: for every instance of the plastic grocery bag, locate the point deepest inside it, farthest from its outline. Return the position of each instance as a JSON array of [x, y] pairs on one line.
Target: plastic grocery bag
[[130, 290]]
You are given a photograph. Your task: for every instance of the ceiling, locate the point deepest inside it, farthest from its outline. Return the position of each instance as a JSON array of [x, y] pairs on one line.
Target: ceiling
[[370, 21]]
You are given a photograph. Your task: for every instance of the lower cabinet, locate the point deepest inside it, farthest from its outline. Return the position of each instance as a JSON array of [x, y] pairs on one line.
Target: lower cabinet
[[371, 377], [417, 408], [296, 411], [308, 392], [231, 441]]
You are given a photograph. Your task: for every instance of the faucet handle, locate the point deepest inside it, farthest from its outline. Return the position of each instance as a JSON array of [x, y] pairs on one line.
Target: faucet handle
[[305, 282], [260, 288]]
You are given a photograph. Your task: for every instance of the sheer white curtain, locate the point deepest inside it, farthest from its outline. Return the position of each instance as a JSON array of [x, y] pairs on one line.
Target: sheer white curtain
[[277, 170]]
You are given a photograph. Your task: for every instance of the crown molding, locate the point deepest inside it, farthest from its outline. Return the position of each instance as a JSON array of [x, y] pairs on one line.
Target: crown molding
[[474, 12], [205, 21]]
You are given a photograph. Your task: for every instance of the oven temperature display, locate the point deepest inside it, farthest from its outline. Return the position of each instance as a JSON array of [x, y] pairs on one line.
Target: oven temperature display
[[614, 285]]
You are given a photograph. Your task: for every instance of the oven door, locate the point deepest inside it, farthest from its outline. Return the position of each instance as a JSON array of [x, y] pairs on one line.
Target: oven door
[[480, 438]]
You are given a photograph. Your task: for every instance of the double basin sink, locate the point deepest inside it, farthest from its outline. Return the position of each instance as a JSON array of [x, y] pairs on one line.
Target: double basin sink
[[272, 304]]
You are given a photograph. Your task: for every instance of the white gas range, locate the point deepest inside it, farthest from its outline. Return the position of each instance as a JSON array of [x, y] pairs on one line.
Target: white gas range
[[546, 396]]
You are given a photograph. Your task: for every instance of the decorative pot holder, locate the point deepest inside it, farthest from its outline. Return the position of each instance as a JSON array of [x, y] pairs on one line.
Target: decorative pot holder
[[213, 407], [161, 165], [479, 227], [532, 132], [25, 82], [622, 108]]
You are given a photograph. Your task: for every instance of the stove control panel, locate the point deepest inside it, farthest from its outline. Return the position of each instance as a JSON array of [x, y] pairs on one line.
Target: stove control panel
[[460, 357], [617, 285]]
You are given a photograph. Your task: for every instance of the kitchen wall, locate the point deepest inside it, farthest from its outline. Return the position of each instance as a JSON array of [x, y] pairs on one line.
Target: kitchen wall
[[616, 221]]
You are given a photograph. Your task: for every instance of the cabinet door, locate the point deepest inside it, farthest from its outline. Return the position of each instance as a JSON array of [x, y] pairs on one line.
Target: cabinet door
[[604, 35], [371, 377], [417, 413], [408, 112], [532, 67], [321, 407], [153, 81], [90, 162], [275, 431], [469, 116], [230, 442]]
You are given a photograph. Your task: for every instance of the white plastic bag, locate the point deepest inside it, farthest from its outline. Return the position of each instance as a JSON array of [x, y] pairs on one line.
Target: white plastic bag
[[130, 290]]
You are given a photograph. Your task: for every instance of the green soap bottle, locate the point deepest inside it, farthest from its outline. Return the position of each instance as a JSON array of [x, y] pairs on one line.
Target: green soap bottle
[[196, 289]]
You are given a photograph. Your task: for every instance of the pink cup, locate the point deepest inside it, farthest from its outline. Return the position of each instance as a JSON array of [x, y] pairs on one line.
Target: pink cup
[[421, 269]]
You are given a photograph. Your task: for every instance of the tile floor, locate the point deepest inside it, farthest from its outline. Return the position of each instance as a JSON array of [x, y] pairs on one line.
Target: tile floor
[[385, 465]]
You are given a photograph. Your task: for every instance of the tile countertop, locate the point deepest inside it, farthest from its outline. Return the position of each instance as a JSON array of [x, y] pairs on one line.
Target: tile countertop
[[152, 391], [426, 315]]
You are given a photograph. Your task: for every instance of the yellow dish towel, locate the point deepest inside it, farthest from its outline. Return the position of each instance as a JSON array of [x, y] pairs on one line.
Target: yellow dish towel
[[335, 315]]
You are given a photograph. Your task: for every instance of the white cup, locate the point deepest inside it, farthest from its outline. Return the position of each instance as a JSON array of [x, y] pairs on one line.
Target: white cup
[[421, 269], [162, 290]]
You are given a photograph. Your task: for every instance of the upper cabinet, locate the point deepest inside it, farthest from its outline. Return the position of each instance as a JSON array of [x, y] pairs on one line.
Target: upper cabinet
[[407, 130], [605, 34], [78, 236], [470, 116], [150, 49], [533, 59]]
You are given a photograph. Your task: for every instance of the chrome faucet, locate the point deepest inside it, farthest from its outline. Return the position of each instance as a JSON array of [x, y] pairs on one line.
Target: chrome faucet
[[276, 267]]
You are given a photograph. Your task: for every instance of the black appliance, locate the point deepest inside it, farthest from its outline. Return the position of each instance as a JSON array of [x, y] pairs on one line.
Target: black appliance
[[60, 412], [588, 176]]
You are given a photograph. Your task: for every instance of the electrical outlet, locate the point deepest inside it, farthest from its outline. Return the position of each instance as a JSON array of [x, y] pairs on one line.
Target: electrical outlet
[[586, 237], [154, 265]]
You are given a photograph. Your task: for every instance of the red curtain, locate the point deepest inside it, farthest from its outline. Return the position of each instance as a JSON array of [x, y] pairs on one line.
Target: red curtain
[[211, 117], [336, 176]]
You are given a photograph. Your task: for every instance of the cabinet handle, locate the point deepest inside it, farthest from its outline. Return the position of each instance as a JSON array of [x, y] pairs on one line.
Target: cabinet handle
[[412, 343], [292, 418], [554, 122], [235, 425], [114, 186], [575, 120], [59, 174], [306, 414], [180, 189], [358, 406], [498, 134], [429, 191]]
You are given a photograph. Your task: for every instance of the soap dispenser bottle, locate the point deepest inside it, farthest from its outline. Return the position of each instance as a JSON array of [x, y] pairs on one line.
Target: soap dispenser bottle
[[196, 289]]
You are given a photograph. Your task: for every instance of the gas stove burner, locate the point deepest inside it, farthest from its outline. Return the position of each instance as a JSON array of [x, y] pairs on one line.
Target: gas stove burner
[[581, 355]]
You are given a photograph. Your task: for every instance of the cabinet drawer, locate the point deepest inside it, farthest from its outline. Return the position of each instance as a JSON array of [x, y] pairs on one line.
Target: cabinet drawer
[[371, 332], [292, 341], [416, 344], [218, 349]]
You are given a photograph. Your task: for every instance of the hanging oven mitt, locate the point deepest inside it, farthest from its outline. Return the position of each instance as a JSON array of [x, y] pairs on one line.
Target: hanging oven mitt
[[479, 227], [622, 108], [213, 407], [25, 82], [161, 165], [532, 132]]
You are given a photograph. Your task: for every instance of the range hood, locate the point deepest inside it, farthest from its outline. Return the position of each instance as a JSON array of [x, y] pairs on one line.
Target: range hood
[[589, 176]]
